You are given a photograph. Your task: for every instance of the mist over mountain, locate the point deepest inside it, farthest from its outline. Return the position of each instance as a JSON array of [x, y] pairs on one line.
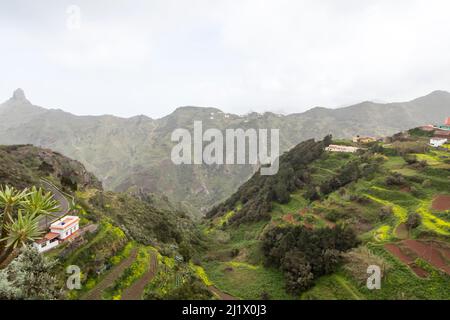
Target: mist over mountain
[[135, 152]]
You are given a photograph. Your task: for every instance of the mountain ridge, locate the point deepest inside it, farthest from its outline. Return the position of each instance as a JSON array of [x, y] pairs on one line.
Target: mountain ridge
[[129, 152], [20, 92]]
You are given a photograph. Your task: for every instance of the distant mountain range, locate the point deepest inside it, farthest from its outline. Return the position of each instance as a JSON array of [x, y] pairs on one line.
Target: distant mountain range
[[134, 153]]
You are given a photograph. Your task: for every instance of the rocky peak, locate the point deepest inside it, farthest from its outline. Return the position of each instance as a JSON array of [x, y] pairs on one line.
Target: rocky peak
[[19, 95]]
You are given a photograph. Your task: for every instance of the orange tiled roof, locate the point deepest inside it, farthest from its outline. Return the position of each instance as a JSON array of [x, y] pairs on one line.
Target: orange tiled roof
[[442, 133], [48, 236]]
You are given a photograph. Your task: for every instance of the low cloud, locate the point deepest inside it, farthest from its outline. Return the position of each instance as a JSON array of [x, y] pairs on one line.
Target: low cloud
[[149, 57]]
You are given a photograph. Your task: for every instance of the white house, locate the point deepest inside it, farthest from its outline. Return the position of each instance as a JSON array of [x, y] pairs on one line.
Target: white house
[[65, 227], [437, 142], [338, 148], [60, 230], [49, 241]]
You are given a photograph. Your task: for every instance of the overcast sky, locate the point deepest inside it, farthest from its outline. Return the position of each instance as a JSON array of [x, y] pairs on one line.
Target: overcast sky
[[151, 56]]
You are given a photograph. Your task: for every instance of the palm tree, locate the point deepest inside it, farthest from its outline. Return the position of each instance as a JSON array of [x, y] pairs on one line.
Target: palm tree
[[19, 222]]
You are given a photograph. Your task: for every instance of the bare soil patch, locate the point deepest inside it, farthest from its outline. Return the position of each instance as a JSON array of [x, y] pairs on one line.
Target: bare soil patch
[[429, 252], [308, 225], [406, 259], [396, 251], [441, 203], [303, 212], [443, 247], [419, 271], [401, 231], [406, 189], [289, 218]]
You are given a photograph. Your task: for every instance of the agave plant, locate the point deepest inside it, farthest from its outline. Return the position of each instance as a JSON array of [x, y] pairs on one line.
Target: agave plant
[[18, 230], [39, 202], [10, 198], [22, 231]]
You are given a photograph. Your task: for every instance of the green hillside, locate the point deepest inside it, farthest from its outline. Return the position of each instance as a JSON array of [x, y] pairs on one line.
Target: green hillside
[[126, 243], [393, 195], [135, 152], [309, 232]]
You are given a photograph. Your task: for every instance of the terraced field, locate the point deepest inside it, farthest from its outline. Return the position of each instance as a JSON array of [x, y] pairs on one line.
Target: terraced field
[[111, 277], [136, 290], [417, 257]]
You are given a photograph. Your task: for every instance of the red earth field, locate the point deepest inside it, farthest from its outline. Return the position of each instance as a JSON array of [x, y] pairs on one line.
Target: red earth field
[[441, 203], [435, 253], [406, 259]]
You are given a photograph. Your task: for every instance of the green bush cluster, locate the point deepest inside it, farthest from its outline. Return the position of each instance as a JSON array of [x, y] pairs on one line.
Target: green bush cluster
[[304, 255]]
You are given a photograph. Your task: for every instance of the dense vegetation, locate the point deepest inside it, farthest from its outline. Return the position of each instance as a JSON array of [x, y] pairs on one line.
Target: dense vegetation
[[142, 221], [29, 276], [257, 194], [305, 254], [385, 195], [20, 216], [288, 236], [136, 151], [117, 225]]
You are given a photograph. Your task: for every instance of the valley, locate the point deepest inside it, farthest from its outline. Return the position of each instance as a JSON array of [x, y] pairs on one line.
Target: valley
[[309, 232], [133, 154]]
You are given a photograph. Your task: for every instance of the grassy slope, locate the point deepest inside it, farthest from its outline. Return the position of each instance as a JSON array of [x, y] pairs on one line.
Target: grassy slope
[[245, 276], [400, 282]]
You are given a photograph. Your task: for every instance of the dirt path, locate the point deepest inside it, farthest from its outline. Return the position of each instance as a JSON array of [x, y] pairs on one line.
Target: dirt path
[[443, 247], [115, 273], [221, 295], [136, 290]]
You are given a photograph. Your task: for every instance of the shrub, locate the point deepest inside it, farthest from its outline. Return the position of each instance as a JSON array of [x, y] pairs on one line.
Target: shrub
[[395, 179], [414, 220], [405, 147], [234, 252], [298, 272], [427, 183], [304, 254], [410, 158], [385, 213], [29, 276]]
